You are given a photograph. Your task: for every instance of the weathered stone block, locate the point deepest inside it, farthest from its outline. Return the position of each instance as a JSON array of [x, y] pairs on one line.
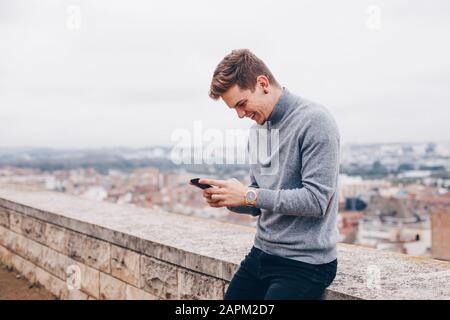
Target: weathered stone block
[[8, 239], [112, 288], [29, 249], [74, 245], [17, 262], [159, 278], [193, 286], [56, 237], [138, 294], [204, 264], [86, 277], [90, 281], [34, 229], [5, 256], [56, 286], [23, 267], [29, 271], [125, 265], [93, 252], [54, 262], [170, 254], [76, 295], [3, 236], [15, 222], [97, 253], [4, 217], [228, 270]]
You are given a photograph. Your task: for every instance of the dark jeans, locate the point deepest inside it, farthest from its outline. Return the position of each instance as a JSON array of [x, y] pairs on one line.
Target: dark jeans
[[266, 276]]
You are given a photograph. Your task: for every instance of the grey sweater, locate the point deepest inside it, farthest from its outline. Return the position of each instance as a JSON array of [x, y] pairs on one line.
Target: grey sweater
[[297, 201]]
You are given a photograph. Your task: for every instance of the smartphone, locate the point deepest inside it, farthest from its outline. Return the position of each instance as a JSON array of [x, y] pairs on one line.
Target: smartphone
[[200, 185]]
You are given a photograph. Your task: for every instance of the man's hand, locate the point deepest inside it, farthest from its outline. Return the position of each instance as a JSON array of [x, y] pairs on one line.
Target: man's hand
[[224, 193]]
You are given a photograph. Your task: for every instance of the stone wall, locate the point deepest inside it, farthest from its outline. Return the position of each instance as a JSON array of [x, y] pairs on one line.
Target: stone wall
[[82, 249], [56, 257], [78, 265]]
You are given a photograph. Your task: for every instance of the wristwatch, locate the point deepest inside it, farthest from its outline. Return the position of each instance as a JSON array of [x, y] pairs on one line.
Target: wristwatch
[[250, 197]]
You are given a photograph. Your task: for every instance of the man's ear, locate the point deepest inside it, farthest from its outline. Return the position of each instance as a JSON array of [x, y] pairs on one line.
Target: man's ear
[[263, 82]]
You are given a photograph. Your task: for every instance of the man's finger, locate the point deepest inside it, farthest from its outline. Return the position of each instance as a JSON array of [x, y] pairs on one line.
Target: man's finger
[[207, 196], [221, 203], [213, 190], [213, 182], [214, 204], [218, 204], [210, 199], [218, 197]]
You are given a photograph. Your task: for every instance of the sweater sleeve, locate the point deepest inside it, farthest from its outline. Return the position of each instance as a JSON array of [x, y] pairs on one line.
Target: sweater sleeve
[[248, 209], [319, 146]]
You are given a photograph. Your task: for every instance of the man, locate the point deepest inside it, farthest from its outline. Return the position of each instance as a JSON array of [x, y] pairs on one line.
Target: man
[[294, 253]]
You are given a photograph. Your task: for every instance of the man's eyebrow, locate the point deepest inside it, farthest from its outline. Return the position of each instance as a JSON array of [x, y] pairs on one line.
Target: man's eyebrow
[[239, 102]]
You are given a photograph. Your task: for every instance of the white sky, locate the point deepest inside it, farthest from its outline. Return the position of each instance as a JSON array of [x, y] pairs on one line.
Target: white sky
[[137, 70]]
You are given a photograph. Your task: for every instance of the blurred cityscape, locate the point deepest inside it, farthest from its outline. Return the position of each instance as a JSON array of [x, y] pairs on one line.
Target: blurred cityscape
[[393, 197]]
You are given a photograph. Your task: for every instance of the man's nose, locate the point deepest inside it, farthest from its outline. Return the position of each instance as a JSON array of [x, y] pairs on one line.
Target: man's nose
[[240, 113]]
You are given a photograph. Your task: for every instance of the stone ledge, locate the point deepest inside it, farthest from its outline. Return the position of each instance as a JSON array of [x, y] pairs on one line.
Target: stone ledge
[[188, 242], [215, 249]]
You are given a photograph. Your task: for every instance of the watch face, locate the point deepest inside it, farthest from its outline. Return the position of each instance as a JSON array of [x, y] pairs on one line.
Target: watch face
[[251, 196]]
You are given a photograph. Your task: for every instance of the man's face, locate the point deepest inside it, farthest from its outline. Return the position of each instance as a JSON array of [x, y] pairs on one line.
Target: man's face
[[247, 104]]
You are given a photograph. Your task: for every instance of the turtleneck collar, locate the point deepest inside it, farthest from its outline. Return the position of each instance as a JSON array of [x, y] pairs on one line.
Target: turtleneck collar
[[280, 107]]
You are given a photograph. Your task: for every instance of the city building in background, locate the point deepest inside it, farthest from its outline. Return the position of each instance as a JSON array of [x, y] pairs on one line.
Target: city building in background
[[391, 197], [440, 227]]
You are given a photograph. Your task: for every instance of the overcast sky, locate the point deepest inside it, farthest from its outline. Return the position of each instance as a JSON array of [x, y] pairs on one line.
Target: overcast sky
[[128, 73]]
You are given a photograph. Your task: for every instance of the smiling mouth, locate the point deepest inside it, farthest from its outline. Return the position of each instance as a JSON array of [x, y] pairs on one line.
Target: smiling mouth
[[252, 116]]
